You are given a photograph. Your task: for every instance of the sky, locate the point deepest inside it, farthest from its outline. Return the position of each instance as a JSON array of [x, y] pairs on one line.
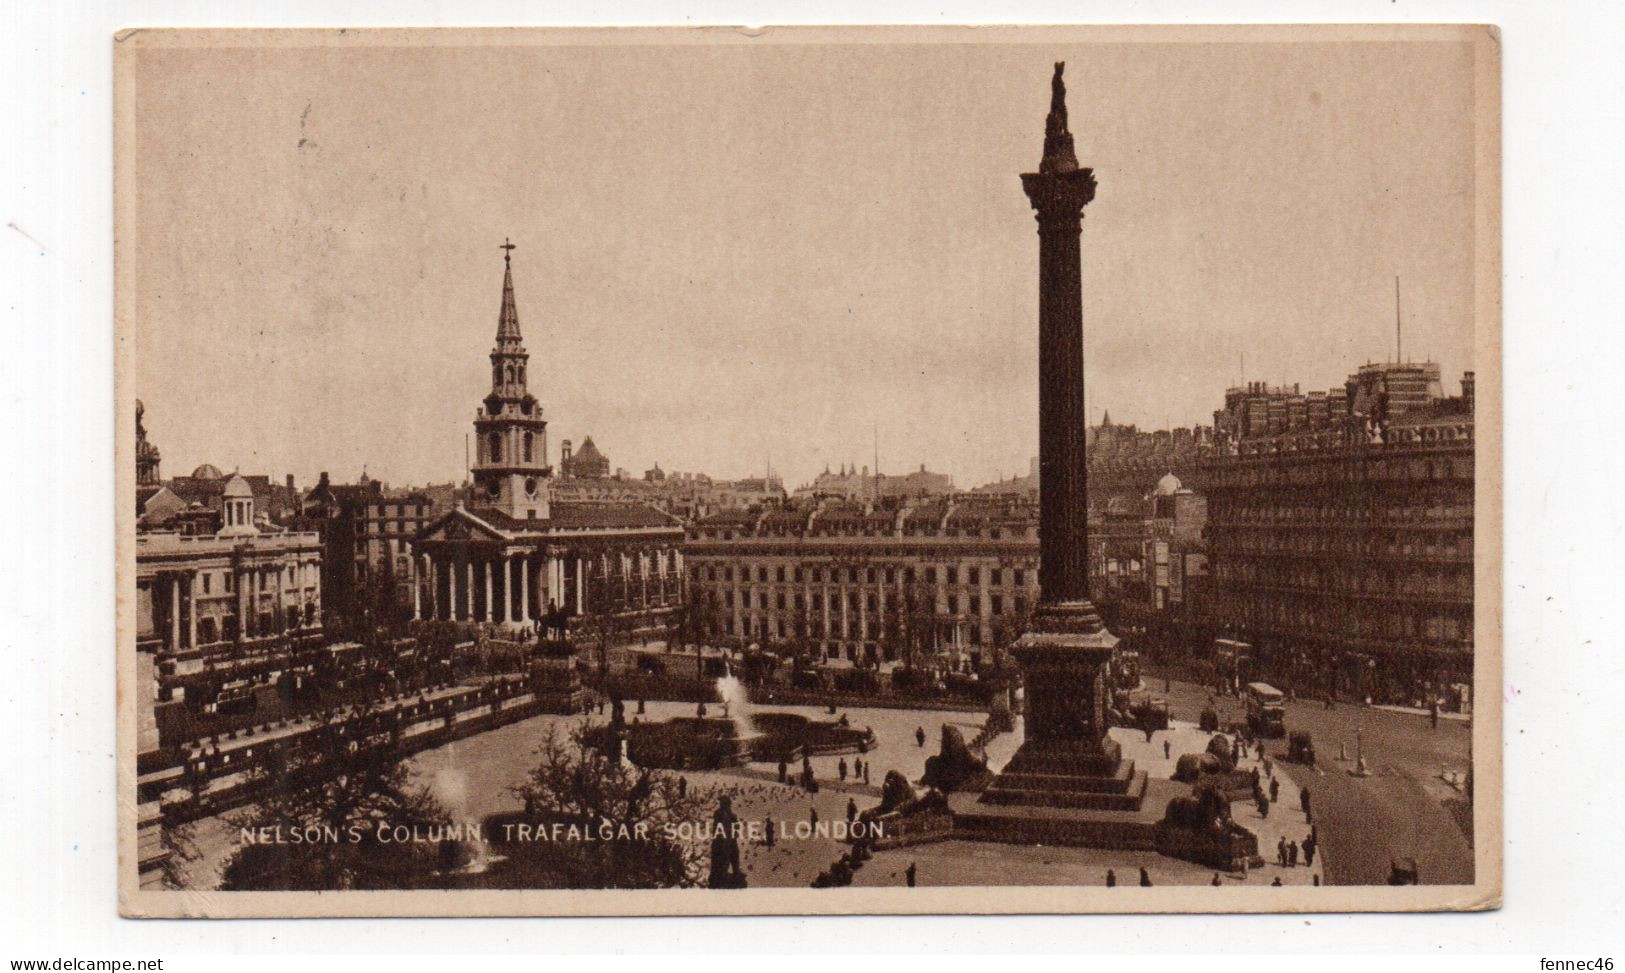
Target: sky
[[736, 255]]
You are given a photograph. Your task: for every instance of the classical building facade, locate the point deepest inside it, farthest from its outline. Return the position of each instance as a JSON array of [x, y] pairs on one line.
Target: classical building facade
[[209, 604], [1340, 533], [870, 583], [516, 557]]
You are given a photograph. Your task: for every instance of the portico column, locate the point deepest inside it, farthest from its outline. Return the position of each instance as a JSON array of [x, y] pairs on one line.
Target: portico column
[[469, 588], [485, 569], [524, 591], [581, 585], [191, 611], [451, 590], [505, 604], [417, 593], [175, 612]]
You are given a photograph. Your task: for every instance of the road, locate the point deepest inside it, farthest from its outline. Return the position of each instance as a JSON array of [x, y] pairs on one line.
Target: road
[[1401, 810]]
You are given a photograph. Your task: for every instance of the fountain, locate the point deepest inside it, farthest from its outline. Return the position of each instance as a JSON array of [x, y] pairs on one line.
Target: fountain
[[741, 735], [450, 787], [735, 702]]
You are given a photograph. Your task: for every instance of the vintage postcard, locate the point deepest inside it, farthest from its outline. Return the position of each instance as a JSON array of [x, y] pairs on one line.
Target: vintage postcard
[[882, 470]]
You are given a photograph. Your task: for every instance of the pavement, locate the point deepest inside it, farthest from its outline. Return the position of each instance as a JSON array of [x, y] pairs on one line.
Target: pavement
[[1400, 811], [1405, 809]]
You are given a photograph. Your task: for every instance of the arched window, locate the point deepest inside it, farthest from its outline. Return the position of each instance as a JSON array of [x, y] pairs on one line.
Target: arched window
[[496, 374], [496, 447], [510, 374], [528, 441]]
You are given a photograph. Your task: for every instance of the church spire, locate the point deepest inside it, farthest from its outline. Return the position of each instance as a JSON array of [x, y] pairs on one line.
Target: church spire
[[1058, 154], [508, 324]]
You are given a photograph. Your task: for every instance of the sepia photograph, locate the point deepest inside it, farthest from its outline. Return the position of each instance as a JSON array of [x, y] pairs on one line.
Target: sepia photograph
[[881, 470]]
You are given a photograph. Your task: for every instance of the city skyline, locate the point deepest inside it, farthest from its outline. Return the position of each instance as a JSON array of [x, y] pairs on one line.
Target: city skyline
[[655, 253]]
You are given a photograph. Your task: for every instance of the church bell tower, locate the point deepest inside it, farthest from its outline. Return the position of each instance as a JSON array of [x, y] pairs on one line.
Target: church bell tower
[[510, 469]]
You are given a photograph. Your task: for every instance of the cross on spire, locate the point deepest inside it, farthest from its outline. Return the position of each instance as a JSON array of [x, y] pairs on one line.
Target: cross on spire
[[509, 246]]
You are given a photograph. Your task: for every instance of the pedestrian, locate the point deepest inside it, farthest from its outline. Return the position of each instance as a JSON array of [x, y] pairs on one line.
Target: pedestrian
[[1263, 808], [1167, 750], [852, 812], [1261, 750], [1433, 713], [919, 736], [1149, 733], [1145, 878], [1111, 879], [1275, 790], [840, 768], [1215, 882], [1277, 881], [812, 817], [857, 767], [1303, 800], [682, 787], [1309, 852], [700, 711], [866, 771], [1235, 751], [770, 832], [908, 874], [784, 772], [1292, 854], [1280, 852]]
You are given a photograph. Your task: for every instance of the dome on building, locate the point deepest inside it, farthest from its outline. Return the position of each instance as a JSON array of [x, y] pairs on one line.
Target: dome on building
[[208, 471], [1168, 486], [237, 487]]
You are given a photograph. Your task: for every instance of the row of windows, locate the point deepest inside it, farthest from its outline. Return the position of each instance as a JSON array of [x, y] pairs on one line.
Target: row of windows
[[1019, 577], [968, 533], [777, 628], [206, 579], [381, 510], [761, 600], [407, 526]]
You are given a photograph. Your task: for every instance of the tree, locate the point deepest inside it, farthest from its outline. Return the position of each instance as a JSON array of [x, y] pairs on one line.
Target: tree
[[332, 814], [603, 632], [180, 847], [621, 810], [698, 620]]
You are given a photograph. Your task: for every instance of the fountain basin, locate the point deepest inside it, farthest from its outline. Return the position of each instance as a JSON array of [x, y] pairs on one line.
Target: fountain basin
[[709, 743]]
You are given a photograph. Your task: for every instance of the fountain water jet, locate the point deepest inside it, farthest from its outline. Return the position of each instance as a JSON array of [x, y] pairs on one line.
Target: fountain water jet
[[735, 701]]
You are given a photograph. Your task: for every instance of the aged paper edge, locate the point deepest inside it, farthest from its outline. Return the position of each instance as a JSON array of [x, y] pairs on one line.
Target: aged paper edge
[[1484, 894]]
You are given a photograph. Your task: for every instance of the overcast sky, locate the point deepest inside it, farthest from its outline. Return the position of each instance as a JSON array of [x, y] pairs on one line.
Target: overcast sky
[[731, 255]]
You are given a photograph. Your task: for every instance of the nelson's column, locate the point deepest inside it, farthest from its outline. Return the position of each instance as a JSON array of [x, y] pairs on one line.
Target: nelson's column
[[1067, 770]]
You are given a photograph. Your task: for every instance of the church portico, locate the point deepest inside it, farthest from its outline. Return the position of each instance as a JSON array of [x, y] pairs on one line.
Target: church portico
[[472, 570], [512, 558]]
